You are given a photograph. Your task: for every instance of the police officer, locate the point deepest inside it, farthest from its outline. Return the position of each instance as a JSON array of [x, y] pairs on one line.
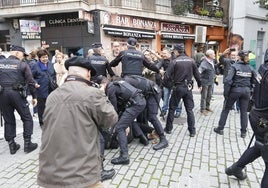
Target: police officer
[[100, 63], [15, 76], [133, 60], [181, 71], [258, 118], [237, 86], [130, 102], [152, 94]]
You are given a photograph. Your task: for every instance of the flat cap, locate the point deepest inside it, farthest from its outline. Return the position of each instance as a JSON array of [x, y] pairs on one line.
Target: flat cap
[[18, 48], [80, 62], [96, 45], [132, 41], [179, 47]]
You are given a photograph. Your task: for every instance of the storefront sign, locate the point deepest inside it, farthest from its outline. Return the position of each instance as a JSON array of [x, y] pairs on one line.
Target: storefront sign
[[129, 21], [128, 33], [176, 28], [30, 29], [178, 37], [69, 19]]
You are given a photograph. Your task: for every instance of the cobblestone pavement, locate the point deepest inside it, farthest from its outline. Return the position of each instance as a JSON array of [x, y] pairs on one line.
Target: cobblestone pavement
[[197, 162]]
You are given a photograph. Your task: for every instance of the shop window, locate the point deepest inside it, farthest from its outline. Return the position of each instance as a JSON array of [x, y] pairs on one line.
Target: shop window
[[163, 6], [132, 4]]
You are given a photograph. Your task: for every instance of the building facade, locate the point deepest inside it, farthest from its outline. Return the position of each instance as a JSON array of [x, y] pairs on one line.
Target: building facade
[[72, 26], [250, 21]]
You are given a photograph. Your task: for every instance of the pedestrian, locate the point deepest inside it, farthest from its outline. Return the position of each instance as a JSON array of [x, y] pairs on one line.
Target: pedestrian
[[15, 77], [42, 71], [116, 48], [237, 86], [129, 102], [70, 150], [60, 70], [181, 71], [258, 118], [207, 73], [167, 87], [133, 60], [152, 95], [100, 63]]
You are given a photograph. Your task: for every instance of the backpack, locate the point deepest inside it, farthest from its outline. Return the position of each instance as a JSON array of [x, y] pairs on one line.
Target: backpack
[[261, 89]]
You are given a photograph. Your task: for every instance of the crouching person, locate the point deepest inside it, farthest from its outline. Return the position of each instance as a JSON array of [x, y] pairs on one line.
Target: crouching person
[[70, 149]]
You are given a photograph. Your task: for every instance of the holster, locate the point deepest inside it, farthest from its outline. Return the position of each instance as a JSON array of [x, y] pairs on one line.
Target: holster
[[21, 88]]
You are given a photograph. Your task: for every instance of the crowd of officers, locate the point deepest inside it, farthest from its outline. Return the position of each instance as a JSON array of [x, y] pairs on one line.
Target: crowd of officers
[[134, 90]]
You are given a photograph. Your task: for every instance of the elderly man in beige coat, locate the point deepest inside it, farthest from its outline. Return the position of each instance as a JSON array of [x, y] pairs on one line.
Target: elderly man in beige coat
[[70, 150]]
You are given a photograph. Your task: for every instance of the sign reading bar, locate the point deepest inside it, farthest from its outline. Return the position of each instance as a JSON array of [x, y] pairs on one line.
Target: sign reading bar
[[129, 34], [176, 28]]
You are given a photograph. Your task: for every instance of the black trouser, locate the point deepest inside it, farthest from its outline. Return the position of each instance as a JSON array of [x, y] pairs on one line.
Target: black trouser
[[243, 98], [253, 152], [125, 120], [152, 103], [10, 100], [41, 104], [181, 92]]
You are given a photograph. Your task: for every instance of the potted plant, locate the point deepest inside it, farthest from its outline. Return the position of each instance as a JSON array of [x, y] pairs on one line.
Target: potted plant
[[219, 14], [180, 9], [204, 12]]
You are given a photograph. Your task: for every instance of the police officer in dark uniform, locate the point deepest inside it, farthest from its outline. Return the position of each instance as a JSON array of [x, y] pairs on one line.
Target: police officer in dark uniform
[[133, 60], [100, 63], [237, 86], [15, 76], [258, 118], [152, 95], [181, 71], [130, 102]]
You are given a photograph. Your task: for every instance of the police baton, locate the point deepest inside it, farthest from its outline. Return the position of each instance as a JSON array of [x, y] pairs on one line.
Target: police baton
[[156, 99]]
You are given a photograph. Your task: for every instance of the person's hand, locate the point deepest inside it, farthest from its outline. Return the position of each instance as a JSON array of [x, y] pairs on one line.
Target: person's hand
[[162, 72], [34, 102], [36, 85], [227, 51], [200, 89], [127, 131]]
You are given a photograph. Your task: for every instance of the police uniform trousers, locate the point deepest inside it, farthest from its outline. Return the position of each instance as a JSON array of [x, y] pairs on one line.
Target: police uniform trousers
[[152, 103], [126, 119], [242, 94], [253, 152], [10, 100], [178, 93]]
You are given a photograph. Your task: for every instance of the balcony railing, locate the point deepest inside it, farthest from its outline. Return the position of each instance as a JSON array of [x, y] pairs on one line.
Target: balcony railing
[[15, 3]]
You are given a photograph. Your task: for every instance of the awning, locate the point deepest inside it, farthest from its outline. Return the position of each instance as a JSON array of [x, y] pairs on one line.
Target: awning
[[165, 35], [128, 33]]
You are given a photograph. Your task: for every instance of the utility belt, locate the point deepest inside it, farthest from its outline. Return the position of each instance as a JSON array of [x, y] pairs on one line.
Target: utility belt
[[187, 83], [133, 100], [22, 89], [263, 146]]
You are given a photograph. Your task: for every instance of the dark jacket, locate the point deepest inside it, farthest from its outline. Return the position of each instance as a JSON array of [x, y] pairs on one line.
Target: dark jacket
[[207, 72], [41, 77], [132, 62]]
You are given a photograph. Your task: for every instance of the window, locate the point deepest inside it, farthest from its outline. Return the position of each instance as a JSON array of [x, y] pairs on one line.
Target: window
[[132, 4], [163, 6]]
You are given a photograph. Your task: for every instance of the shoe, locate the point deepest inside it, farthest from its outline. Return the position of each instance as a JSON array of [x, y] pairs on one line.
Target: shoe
[[29, 146], [192, 134], [162, 144], [204, 112], [177, 115], [13, 147], [107, 174], [120, 160], [243, 135], [167, 131], [218, 131], [209, 110], [144, 140], [163, 114], [236, 171]]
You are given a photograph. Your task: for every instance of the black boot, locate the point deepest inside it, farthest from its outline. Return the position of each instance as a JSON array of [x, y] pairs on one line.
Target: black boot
[[107, 174], [124, 160], [163, 143], [236, 171], [13, 147], [144, 140], [29, 146]]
